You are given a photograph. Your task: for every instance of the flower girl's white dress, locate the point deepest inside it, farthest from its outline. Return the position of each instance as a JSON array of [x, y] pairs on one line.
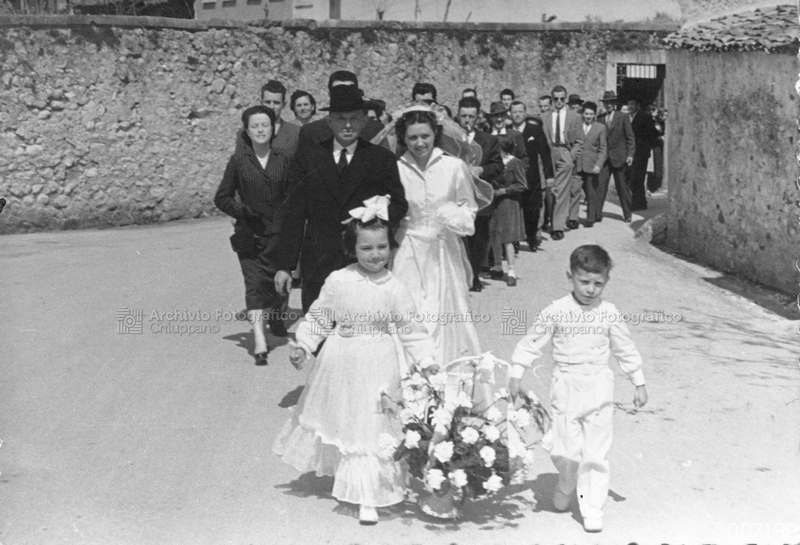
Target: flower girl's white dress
[[336, 425]]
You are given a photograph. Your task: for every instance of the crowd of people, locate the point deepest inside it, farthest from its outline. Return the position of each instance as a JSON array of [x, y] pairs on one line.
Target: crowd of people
[[382, 217]]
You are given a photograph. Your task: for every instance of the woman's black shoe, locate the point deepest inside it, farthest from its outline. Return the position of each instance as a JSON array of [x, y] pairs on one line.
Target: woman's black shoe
[[476, 286], [261, 358]]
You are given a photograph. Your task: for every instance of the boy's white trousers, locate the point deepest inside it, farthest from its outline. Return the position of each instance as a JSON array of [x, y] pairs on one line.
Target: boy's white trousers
[[582, 402]]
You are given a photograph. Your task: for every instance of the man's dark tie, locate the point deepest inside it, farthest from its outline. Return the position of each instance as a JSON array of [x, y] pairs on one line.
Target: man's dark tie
[[342, 164], [558, 127]]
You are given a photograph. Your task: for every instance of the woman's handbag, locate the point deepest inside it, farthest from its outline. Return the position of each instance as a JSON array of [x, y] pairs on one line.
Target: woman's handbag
[[246, 243]]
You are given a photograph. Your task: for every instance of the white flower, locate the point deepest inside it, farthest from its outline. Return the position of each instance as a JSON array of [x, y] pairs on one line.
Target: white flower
[[521, 418], [502, 393], [491, 433], [434, 478], [407, 416], [494, 414], [493, 483], [416, 380], [469, 435], [443, 451], [386, 445], [488, 454], [463, 400], [458, 478], [438, 381], [412, 439], [442, 417]]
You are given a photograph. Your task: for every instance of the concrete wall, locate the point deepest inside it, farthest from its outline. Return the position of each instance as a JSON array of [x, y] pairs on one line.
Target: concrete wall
[[731, 147], [134, 122]]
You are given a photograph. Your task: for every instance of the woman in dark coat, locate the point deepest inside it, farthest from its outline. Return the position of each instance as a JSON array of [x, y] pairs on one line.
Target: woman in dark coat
[[252, 191]]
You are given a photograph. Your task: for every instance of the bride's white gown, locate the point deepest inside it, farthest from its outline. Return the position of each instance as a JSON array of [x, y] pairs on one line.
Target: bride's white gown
[[431, 260]]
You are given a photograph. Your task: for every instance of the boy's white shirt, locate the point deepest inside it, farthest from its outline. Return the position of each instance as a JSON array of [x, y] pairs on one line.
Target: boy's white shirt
[[579, 345]]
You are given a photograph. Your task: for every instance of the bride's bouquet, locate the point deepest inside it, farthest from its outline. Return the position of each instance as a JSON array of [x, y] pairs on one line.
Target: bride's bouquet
[[454, 448]]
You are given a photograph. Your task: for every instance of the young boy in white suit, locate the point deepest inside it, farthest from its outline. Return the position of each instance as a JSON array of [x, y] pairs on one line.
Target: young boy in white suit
[[585, 330]]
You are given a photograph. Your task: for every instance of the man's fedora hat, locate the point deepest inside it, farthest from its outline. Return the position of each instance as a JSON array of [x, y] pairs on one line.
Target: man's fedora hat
[[574, 99], [609, 96], [497, 108], [345, 98]]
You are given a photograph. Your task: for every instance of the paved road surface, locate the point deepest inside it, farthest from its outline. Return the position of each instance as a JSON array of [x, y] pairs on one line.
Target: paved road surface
[[162, 438]]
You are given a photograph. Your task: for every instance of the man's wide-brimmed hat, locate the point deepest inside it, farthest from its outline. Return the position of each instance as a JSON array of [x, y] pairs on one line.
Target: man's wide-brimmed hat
[[609, 96], [497, 108], [345, 98], [574, 99]]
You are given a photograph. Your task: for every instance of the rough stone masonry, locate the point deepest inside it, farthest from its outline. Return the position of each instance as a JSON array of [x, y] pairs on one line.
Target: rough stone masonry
[[104, 124]]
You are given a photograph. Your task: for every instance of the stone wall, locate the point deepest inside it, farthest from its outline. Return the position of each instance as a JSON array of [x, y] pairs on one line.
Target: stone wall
[[104, 123], [731, 146]]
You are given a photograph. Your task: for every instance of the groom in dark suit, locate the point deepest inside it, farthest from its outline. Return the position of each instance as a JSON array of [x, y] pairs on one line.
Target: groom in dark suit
[[326, 181]]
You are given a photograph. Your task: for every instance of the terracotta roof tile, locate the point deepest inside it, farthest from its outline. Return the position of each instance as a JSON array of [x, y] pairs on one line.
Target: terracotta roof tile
[[763, 29]]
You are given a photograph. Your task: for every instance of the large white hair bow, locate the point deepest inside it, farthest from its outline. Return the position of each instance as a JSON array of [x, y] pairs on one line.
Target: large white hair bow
[[374, 207]]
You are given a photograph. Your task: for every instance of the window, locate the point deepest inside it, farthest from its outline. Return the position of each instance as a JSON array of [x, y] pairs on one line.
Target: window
[[209, 5], [253, 2], [228, 3]]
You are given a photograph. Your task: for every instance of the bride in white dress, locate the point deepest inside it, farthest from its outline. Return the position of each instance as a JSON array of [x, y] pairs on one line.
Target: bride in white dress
[[431, 260]]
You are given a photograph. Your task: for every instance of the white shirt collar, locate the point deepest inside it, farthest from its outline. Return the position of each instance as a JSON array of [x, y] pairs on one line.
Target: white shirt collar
[[337, 148]]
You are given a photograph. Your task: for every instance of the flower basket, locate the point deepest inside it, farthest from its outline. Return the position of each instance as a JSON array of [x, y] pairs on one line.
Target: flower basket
[[458, 449]]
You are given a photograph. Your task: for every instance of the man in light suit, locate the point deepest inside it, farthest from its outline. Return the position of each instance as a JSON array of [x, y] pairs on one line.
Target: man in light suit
[[592, 159], [326, 181], [564, 130], [621, 147]]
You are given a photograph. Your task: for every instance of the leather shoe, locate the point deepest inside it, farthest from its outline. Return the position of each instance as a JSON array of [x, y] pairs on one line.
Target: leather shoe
[[278, 328], [626, 220], [572, 224], [557, 235], [367, 515], [511, 282], [496, 275], [533, 245], [261, 358], [476, 286], [547, 227], [588, 224]]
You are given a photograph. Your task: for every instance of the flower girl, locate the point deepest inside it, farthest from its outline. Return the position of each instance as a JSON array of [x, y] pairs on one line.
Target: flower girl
[[336, 426]]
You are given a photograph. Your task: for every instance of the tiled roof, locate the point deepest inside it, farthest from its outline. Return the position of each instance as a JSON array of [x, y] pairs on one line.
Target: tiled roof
[[763, 29]]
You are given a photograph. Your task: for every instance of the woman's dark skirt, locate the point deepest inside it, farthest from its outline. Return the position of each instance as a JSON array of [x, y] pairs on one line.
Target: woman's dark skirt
[[259, 271]]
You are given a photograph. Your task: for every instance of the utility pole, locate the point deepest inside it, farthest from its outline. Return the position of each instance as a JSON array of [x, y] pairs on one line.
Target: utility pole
[[417, 11], [447, 10]]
